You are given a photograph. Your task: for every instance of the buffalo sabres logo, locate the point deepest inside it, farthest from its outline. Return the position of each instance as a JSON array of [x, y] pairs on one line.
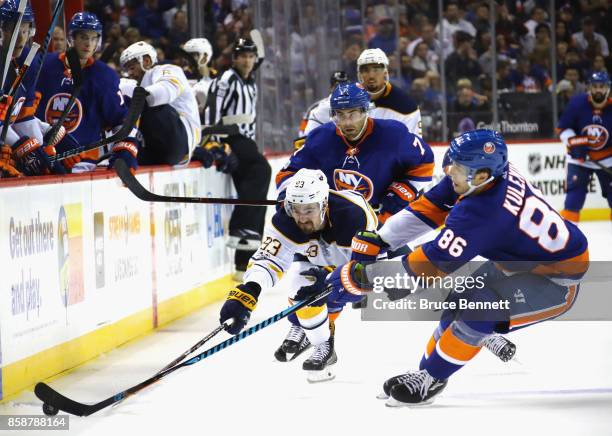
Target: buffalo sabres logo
[[55, 107], [598, 136], [488, 147], [348, 180]]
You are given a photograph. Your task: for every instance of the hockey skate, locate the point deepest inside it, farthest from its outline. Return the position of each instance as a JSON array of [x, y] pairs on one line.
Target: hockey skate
[[244, 239], [294, 344], [415, 388], [318, 365], [500, 346]]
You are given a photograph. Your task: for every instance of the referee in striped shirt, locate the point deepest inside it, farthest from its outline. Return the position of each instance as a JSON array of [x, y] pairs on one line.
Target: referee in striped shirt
[[235, 93]]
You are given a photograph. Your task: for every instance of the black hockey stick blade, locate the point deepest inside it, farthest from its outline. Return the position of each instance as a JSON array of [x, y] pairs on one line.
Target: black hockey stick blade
[[142, 193], [136, 107], [229, 130], [74, 63], [54, 401]]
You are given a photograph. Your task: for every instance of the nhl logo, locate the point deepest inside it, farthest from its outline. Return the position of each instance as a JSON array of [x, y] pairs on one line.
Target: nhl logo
[[488, 148], [535, 163]]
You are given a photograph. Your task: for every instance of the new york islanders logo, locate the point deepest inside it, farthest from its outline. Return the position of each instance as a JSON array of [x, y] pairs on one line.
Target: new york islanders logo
[[598, 136], [488, 148], [55, 107], [348, 180]]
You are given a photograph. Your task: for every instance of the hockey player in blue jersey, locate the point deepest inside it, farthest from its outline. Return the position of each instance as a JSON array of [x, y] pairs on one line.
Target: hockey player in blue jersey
[[585, 128], [99, 105], [314, 228], [536, 259], [380, 159], [24, 141]]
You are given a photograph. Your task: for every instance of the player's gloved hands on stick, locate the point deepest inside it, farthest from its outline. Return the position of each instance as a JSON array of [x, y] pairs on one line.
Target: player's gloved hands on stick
[[203, 156], [240, 302], [318, 276], [7, 164], [31, 157], [222, 155], [578, 147], [348, 282], [127, 150], [366, 246], [398, 196]]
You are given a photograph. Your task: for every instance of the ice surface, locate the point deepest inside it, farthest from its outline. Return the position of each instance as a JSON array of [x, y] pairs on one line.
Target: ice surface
[[562, 385]]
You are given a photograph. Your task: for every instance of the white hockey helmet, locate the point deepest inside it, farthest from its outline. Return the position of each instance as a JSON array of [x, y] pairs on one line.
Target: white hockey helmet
[[306, 187], [201, 46], [137, 51], [372, 56]]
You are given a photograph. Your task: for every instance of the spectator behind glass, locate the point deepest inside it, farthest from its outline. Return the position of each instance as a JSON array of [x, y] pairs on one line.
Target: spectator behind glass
[[422, 62], [179, 32], [132, 35], [538, 16], [385, 37], [481, 19], [598, 64], [563, 34], [589, 38], [180, 5], [452, 23], [572, 75], [428, 36], [462, 62], [149, 21], [59, 39], [349, 60]]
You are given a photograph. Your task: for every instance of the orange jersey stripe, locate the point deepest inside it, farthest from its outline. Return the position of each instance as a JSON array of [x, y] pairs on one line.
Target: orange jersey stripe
[[550, 313], [426, 208], [600, 154], [455, 348], [420, 264], [431, 345], [282, 175], [571, 267], [422, 170]]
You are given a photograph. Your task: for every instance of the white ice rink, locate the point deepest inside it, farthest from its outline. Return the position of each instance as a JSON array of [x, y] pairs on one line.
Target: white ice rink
[[562, 385]]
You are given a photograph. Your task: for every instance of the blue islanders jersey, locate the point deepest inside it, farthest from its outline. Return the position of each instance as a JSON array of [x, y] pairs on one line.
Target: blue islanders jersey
[[347, 214], [585, 120], [24, 98], [386, 153], [509, 223], [98, 107]]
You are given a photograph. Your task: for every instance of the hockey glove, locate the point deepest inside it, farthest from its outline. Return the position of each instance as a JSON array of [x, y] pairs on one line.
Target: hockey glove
[[240, 302], [578, 147], [348, 282], [398, 196], [224, 159], [318, 276], [7, 164], [127, 150], [5, 103], [203, 156], [32, 159], [366, 246]]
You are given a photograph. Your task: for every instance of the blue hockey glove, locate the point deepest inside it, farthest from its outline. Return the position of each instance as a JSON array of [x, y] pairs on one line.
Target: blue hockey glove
[[202, 155], [318, 275], [127, 150], [398, 196], [348, 282], [240, 302], [31, 157], [578, 147]]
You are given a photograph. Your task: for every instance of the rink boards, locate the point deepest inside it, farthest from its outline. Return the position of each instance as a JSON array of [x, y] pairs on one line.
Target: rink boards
[[86, 266]]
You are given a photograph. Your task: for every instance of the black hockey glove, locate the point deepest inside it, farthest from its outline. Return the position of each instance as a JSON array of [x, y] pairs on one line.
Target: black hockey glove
[[240, 302]]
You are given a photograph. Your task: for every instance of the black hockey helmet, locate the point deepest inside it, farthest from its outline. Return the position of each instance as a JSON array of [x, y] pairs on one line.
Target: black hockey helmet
[[244, 45]]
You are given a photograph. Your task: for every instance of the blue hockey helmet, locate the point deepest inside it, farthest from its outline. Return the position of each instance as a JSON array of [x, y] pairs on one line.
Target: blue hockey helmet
[[599, 77], [9, 14], [349, 96], [85, 21], [480, 149]]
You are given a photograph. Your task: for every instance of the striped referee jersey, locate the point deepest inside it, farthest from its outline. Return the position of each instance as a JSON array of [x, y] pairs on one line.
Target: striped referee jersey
[[230, 95]]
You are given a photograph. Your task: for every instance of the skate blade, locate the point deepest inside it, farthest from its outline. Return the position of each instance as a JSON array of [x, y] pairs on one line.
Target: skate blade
[[392, 402], [320, 376], [382, 396]]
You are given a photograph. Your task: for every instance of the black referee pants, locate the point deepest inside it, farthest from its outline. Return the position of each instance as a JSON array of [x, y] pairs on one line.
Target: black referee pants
[[166, 140], [252, 180]]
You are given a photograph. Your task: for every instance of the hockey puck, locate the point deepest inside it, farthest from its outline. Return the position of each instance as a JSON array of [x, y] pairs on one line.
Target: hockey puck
[[49, 410]]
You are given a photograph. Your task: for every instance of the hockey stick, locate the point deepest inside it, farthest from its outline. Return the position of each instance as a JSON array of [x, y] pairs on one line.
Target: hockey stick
[[602, 167], [16, 83], [255, 35], [53, 401], [59, 8], [136, 107], [76, 71], [195, 347], [7, 50], [141, 192]]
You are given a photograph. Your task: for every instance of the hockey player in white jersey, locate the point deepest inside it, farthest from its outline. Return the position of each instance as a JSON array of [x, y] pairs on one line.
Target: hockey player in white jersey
[[388, 101], [202, 52], [314, 229], [170, 122]]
